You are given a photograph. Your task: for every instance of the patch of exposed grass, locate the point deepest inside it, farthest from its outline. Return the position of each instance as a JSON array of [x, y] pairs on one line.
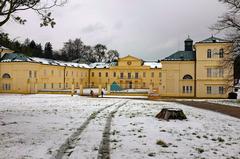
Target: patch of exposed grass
[[161, 143], [220, 139], [152, 154], [200, 150]]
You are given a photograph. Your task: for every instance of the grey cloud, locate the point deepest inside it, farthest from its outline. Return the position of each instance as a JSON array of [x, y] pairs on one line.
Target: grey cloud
[[148, 29], [93, 28]]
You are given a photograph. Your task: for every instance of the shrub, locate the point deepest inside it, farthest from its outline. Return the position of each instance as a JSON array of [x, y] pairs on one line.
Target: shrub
[[232, 95]]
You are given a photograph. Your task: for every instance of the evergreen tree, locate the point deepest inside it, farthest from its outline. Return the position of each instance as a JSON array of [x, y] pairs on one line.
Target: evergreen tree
[[48, 51], [39, 51]]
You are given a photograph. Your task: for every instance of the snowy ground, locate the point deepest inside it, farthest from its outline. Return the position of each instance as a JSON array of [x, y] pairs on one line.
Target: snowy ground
[[46, 126]]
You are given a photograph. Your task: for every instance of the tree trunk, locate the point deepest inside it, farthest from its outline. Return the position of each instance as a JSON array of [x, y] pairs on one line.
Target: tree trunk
[[171, 113]]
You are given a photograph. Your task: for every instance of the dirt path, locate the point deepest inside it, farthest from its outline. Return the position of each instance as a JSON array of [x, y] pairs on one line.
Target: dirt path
[[67, 147], [224, 109], [104, 148]]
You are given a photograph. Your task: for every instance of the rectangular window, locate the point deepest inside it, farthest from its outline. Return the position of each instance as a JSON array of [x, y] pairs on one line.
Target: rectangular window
[[114, 74], [136, 75], [221, 53], [129, 75], [35, 74], [99, 74], [106, 74], [121, 75], [209, 72], [30, 74], [144, 84], [209, 53], [187, 89], [209, 90], [152, 74], [6, 87], [215, 72], [190, 89], [92, 74], [160, 74], [184, 90], [221, 90]]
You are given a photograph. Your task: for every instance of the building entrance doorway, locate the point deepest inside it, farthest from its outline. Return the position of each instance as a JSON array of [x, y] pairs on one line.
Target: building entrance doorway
[[130, 85]]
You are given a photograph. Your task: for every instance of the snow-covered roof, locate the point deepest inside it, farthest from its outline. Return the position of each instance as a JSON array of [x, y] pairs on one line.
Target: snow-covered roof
[[15, 57], [58, 63], [153, 64], [4, 48], [102, 65]]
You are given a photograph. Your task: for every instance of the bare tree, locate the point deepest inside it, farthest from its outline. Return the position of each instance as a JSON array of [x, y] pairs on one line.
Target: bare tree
[[9, 9], [229, 23]]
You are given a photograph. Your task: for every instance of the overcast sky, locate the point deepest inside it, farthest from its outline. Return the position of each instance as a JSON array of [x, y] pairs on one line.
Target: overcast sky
[[148, 29]]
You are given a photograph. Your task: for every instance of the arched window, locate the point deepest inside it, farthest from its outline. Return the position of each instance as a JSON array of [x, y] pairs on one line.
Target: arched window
[[187, 77], [6, 75]]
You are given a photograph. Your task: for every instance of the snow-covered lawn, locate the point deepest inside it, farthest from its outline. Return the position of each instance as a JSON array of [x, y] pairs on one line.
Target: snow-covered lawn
[[204, 134], [38, 126]]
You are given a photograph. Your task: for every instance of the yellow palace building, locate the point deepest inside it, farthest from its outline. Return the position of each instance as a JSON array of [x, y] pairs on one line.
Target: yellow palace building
[[196, 72]]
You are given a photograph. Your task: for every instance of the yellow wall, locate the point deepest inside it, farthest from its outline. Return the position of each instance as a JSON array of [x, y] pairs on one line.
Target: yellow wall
[[203, 63], [172, 78], [29, 77]]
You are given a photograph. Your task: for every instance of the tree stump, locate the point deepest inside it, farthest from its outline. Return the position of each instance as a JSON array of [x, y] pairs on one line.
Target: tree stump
[[171, 113]]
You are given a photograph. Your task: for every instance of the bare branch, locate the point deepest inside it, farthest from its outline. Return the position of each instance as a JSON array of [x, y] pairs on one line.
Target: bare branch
[[10, 8]]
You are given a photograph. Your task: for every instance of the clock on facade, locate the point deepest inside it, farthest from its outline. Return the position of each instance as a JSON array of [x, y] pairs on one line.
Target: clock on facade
[[129, 62]]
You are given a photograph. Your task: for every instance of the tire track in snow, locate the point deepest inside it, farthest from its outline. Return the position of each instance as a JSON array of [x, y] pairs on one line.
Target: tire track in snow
[[104, 148], [70, 141]]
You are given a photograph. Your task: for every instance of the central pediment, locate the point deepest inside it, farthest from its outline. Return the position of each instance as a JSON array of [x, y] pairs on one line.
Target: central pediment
[[129, 61]]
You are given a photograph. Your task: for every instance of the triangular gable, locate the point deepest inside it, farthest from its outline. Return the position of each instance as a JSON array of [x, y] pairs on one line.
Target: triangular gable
[[129, 57]]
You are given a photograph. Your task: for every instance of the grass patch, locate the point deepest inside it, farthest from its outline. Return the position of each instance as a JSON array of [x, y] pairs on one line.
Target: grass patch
[[152, 154], [161, 143], [220, 139], [200, 150]]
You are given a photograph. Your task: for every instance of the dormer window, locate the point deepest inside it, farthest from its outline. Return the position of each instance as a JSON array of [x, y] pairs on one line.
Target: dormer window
[[221, 53], [209, 53]]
